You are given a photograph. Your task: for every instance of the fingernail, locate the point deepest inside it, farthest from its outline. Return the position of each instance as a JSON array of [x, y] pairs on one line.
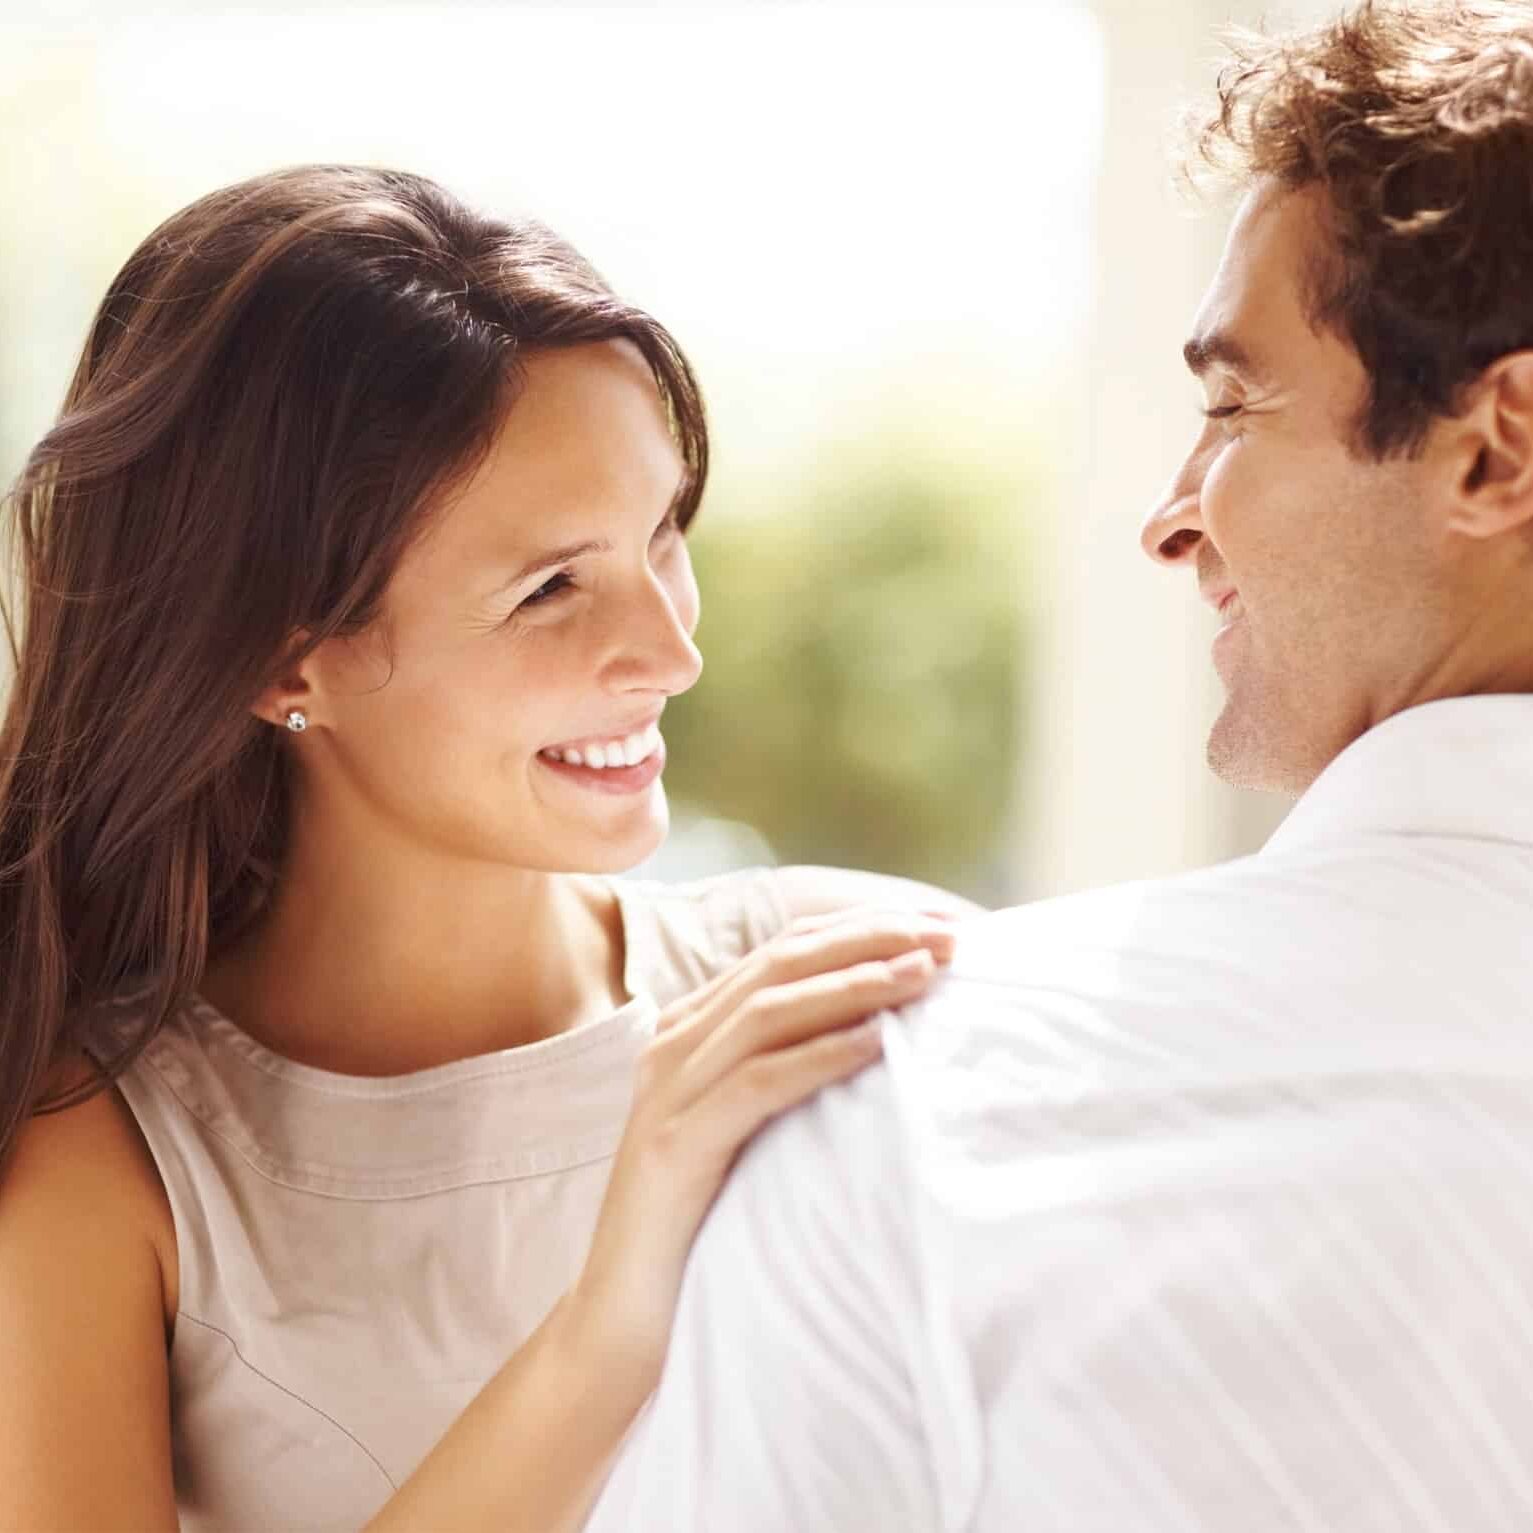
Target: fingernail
[[868, 1036], [908, 965]]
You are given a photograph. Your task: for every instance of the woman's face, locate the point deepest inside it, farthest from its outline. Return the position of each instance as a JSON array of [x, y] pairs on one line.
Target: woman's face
[[548, 611]]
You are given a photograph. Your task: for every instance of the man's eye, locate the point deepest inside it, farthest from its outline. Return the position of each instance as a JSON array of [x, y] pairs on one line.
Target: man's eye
[[550, 588], [1221, 412]]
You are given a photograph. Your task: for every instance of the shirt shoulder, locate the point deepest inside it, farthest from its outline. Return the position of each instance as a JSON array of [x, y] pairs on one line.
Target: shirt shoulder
[[1256, 978], [680, 935], [1271, 936]]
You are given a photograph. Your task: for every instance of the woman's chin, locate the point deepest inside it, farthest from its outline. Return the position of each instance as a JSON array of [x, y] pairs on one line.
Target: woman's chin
[[623, 853]]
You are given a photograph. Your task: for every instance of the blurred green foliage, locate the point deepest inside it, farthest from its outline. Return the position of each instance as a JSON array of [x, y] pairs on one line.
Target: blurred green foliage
[[861, 701]]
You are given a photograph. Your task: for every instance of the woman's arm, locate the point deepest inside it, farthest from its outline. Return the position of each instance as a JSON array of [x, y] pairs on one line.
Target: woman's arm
[[533, 1448], [84, 1382]]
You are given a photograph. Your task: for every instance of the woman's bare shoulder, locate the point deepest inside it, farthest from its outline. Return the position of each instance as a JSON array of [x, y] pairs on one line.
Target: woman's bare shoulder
[[82, 1217], [90, 1162]]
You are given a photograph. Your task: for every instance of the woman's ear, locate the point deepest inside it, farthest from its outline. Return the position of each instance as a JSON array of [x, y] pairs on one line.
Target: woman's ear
[[291, 688], [1492, 447]]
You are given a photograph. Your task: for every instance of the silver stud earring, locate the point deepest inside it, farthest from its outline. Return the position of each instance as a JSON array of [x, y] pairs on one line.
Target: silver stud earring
[[297, 721]]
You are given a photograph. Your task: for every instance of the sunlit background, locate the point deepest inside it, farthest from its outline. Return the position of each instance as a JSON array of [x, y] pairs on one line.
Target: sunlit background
[[931, 269]]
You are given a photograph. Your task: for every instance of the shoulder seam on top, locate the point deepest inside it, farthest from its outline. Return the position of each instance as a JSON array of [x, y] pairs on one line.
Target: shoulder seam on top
[[584, 1157]]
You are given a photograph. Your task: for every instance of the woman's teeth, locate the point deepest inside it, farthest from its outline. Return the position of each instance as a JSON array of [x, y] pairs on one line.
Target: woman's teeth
[[616, 753]]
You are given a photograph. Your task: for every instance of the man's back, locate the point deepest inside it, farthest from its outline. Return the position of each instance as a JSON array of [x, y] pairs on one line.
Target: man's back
[[1188, 1204]]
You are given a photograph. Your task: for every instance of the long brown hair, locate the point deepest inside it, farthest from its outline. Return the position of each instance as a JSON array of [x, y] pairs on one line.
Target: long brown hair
[[282, 382], [1415, 117]]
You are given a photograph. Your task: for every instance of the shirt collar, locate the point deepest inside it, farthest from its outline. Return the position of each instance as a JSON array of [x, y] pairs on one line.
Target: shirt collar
[[1459, 766]]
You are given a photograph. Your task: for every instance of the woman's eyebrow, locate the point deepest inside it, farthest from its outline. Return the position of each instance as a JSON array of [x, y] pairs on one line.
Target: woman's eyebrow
[[553, 556]]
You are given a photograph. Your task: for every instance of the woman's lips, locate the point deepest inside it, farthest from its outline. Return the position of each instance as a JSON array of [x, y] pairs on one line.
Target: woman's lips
[[619, 780]]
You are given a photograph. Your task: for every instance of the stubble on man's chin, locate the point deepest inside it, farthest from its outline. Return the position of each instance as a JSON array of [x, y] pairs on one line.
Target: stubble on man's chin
[[1244, 747], [1231, 754], [1255, 752]]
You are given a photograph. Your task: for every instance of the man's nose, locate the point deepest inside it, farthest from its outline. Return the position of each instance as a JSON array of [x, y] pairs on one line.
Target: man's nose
[[1174, 527]]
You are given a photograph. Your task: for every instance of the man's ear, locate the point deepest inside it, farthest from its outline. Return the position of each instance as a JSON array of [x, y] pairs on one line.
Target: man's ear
[[292, 684], [1492, 446]]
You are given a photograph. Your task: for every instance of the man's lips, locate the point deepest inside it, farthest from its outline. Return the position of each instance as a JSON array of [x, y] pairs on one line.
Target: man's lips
[[1231, 611]]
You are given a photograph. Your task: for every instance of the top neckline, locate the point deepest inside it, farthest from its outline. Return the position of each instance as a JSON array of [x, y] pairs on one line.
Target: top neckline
[[529, 1110]]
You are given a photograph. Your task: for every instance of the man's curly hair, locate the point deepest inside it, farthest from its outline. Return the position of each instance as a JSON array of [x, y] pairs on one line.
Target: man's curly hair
[[1416, 121]]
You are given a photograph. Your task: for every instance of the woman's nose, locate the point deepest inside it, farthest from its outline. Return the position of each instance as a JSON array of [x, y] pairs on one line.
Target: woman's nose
[[681, 664], [654, 650]]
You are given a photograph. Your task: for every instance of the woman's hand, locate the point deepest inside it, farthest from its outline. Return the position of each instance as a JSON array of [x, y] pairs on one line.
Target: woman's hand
[[759, 1038]]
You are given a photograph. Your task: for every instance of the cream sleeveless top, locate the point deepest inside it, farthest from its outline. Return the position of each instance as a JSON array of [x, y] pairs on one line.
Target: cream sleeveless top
[[359, 1255]]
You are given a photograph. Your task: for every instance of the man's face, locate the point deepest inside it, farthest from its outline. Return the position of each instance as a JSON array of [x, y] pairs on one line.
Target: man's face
[[1326, 567]]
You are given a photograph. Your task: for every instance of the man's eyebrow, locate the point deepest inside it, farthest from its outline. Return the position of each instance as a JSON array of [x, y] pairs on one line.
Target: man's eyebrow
[[1219, 348]]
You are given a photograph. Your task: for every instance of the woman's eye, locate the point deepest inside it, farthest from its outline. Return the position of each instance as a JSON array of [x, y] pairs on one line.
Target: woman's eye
[[556, 585], [550, 587], [1222, 412]]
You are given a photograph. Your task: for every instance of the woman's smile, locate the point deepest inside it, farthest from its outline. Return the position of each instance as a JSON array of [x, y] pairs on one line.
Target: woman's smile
[[641, 761]]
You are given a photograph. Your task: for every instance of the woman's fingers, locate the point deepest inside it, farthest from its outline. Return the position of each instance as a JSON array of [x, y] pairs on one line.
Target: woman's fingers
[[761, 1037], [799, 953], [849, 916], [777, 1018], [723, 1119]]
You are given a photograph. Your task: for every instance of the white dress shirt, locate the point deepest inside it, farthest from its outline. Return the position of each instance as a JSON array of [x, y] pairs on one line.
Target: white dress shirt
[[1196, 1204]]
